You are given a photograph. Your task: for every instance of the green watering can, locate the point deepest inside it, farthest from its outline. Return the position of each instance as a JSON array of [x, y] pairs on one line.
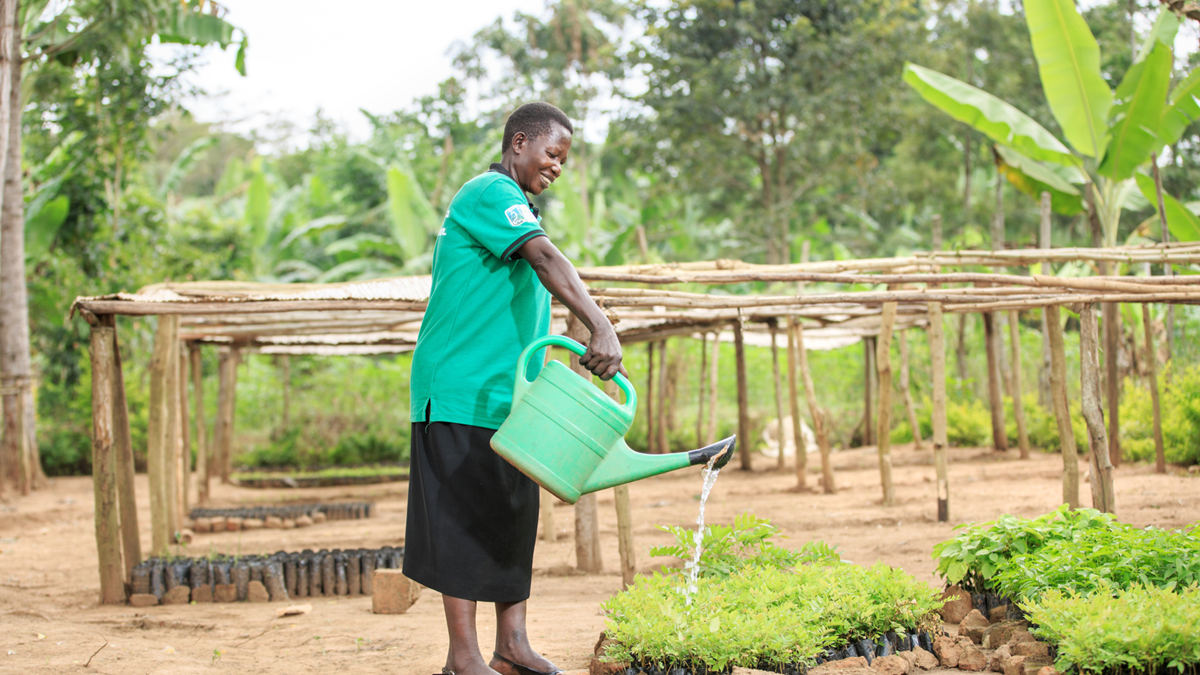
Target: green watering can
[[569, 436]]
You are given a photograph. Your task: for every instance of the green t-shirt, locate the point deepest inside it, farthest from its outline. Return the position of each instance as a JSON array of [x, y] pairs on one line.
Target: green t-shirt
[[484, 308]]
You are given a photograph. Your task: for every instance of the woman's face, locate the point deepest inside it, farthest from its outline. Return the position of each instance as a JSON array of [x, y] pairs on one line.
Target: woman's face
[[539, 161]]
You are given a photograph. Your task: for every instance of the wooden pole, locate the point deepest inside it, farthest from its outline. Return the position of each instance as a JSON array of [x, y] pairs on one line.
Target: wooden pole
[[906, 392], [1093, 414], [1062, 408], [174, 467], [937, 360], [999, 436], [123, 449], [1166, 238], [794, 401], [883, 360], [713, 380], [664, 399], [202, 459], [814, 411], [156, 440], [739, 348], [1160, 459], [651, 430], [104, 471], [700, 389], [587, 520], [1112, 338], [624, 515], [235, 360], [868, 367], [185, 427], [1044, 395], [1014, 328], [549, 532], [773, 325]]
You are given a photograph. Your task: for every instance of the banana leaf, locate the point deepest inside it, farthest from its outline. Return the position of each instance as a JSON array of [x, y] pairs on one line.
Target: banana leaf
[[1183, 107], [188, 25], [1166, 26], [42, 223], [995, 118], [410, 211], [1183, 224], [1137, 115], [1069, 64], [1033, 178], [258, 208]]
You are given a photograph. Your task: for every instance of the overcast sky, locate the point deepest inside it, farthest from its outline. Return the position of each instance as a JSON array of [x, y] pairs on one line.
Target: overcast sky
[[339, 57]]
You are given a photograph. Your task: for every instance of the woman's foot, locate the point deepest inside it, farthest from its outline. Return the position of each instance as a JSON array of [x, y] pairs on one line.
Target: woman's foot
[[522, 661]]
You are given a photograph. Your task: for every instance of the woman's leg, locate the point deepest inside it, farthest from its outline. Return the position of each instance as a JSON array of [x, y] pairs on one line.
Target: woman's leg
[[464, 657], [512, 641]]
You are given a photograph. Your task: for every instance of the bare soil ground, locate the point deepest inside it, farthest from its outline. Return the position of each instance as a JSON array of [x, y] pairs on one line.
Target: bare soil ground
[[50, 621]]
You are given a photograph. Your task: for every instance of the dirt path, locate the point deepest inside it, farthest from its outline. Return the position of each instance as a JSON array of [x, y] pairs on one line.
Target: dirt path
[[49, 585]]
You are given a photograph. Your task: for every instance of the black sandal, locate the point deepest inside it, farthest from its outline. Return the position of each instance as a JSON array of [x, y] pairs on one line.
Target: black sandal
[[525, 670]]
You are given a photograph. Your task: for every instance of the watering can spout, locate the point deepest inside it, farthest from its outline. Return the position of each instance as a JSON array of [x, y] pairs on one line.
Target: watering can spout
[[626, 465]]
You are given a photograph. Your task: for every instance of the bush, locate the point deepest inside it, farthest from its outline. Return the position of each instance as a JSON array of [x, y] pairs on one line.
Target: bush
[[288, 450], [1138, 629], [1042, 426], [1180, 408]]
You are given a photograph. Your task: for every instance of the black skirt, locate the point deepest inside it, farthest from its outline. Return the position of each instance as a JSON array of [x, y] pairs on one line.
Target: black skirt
[[472, 516]]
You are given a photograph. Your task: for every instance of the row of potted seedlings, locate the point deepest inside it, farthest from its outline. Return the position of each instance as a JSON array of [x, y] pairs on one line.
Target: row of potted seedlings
[[276, 517], [279, 576]]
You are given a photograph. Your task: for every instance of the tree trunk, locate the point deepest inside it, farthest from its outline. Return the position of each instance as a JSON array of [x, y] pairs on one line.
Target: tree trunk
[[999, 436], [1044, 395], [104, 470], [960, 351], [814, 411], [1093, 414], [587, 520], [773, 324], [739, 348], [1062, 408], [1160, 459], [157, 457], [794, 403], [1166, 239], [202, 452], [937, 349], [174, 435], [1014, 327], [185, 428], [868, 368], [123, 457], [883, 360], [713, 380], [906, 392], [1112, 339]]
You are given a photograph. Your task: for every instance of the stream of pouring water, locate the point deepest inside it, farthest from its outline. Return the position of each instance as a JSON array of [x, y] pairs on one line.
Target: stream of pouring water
[[693, 566]]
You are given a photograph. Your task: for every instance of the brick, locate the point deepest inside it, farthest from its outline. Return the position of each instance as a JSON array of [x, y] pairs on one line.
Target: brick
[[252, 524], [257, 592], [225, 593], [392, 592], [202, 593], [143, 600], [180, 595]]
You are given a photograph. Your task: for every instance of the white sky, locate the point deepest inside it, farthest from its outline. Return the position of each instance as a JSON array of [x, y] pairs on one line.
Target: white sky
[[379, 55]]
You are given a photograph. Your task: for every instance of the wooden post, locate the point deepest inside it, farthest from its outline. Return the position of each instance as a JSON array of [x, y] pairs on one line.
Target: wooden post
[[700, 389], [1112, 339], [664, 399], [814, 411], [906, 392], [713, 380], [624, 514], [1093, 414], [794, 401], [202, 458], [1166, 239], [739, 348], [1160, 459], [1062, 407], [1044, 392], [104, 470], [937, 360], [235, 360], [587, 520], [226, 405], [773, 325], [123, 449], [174, 467], [868, 369], [156, 440], [185, 427], [651, 431], [1014, 329], [995, 398], [883, 360]]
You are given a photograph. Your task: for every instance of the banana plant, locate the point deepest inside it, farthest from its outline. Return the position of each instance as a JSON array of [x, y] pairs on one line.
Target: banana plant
[[1111, 135]]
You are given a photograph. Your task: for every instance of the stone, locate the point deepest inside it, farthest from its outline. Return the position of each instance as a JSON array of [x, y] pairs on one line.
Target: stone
[[202, 593], [999, 633], [998, 613], [1015, 666], [972, 657], [925, 660], [202, 525], [1033, 664], [233, 524], [947, 651], [958, 605], [185, 536], [319, 517], [749, 671], [1020, 635], [257, 592], [252, 524], [1031, 649], [998, 658], [598, 667], [289, 524], [392, 592], [304, 521], [180, 595], [911, 658], [143, 600], [225, 593], [973, 626], [273, 523], [1047, 670], [891, 665], [852, 666]]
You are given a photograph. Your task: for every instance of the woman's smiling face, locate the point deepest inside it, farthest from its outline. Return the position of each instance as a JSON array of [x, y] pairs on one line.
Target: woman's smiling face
[[539, 161]]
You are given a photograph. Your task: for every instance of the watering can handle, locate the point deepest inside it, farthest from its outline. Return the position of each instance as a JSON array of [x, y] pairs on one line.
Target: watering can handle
[[522, 384]]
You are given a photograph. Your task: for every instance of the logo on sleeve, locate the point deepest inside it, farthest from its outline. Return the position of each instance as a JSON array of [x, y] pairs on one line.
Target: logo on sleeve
[[519, 214]]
